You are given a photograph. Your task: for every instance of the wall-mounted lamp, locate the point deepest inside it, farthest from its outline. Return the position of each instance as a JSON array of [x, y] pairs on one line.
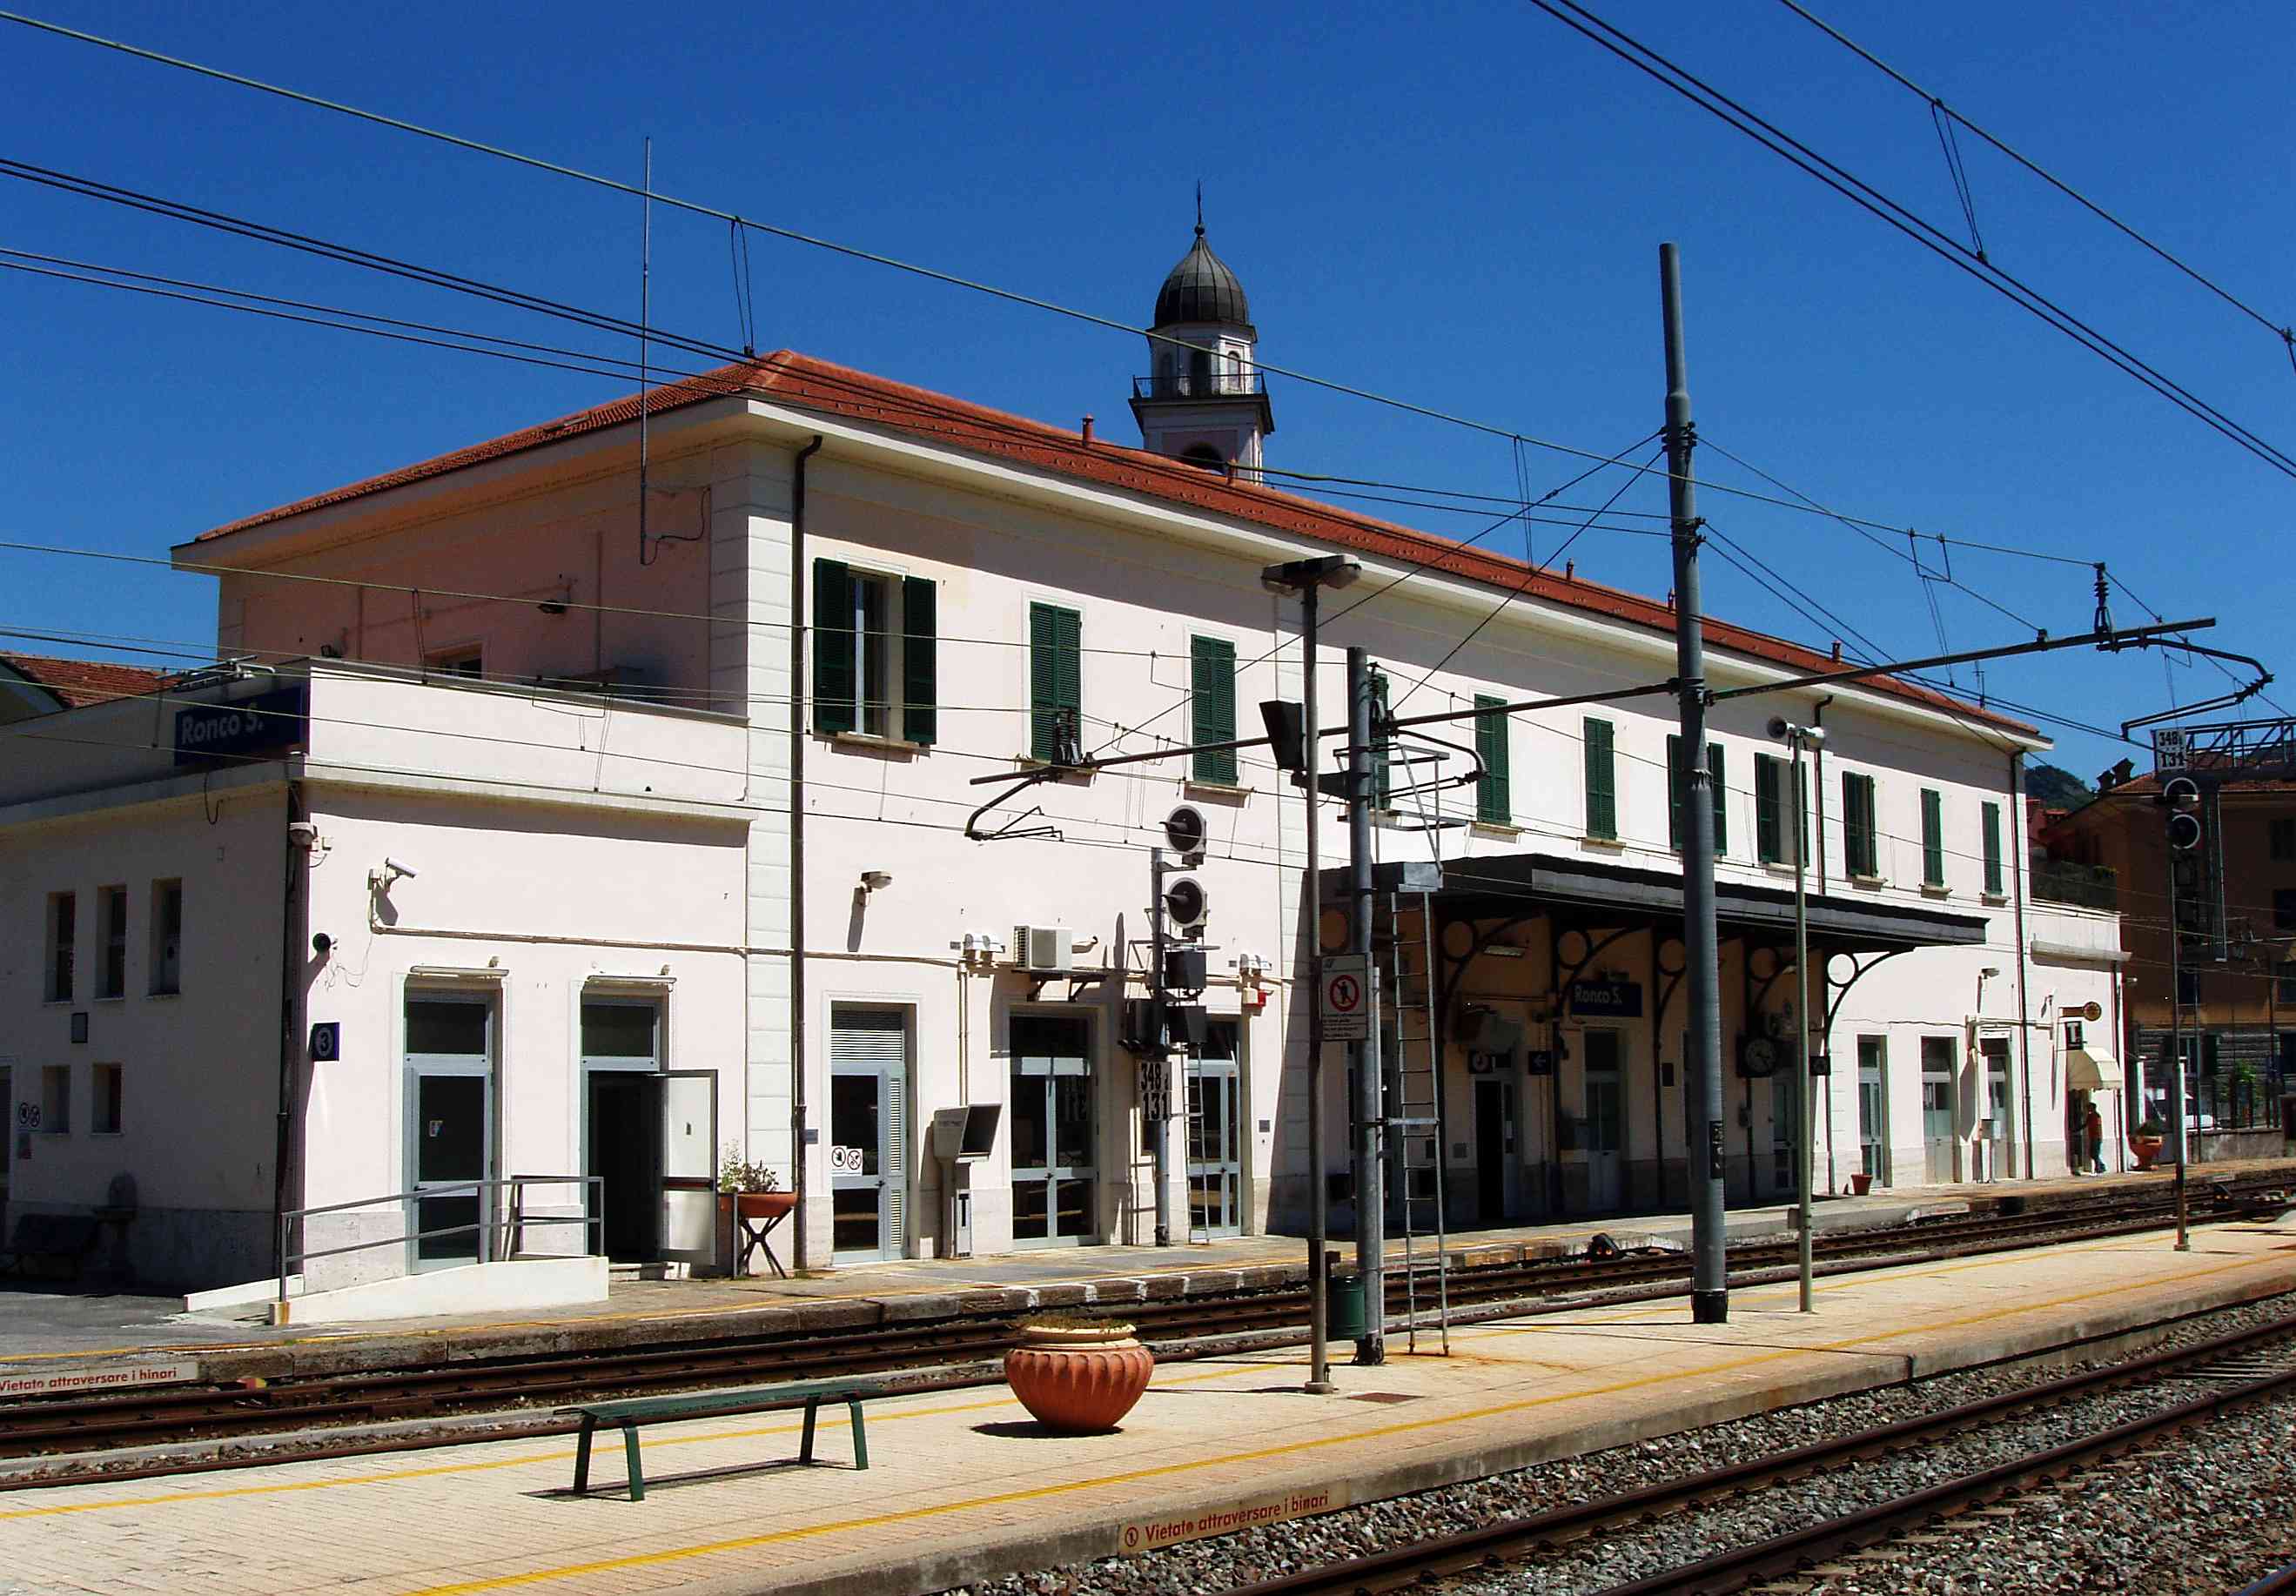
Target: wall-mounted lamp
[[876, 881], [552, 607]]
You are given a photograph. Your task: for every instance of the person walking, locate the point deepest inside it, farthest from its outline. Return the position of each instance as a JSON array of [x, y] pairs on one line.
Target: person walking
[[2094, 1136]]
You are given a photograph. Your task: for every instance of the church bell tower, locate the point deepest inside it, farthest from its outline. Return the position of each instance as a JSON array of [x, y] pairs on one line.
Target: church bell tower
[[1204, 400]]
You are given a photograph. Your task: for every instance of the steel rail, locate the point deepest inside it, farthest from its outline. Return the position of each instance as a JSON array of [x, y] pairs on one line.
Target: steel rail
[[1496, 1544], [1182, 1328]]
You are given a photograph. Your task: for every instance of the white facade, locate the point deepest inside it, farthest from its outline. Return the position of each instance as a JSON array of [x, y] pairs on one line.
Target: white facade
[[572, 847]]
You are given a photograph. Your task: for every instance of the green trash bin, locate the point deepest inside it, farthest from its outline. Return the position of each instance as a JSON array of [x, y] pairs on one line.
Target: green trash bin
[[1343, 1307]]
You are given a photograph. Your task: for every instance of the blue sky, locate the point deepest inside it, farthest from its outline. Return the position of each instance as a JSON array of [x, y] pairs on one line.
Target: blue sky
[[1456, 205]]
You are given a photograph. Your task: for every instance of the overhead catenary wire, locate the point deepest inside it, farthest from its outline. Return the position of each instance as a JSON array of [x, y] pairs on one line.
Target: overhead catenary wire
[[1922, 232], [2280, 329], [791, 235]]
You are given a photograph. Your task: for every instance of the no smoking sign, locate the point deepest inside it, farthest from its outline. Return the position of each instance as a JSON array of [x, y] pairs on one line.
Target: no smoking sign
[[1345, 998]]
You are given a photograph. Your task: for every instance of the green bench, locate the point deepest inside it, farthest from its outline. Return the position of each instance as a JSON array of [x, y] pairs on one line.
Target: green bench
[[637, 1410]]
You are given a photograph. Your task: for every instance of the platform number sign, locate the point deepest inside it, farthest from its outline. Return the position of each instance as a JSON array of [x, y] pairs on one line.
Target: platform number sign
[[1345, 997], [326, 1041]]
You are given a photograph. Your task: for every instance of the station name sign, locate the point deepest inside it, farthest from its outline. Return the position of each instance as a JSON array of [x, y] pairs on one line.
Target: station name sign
[[266, 722], [1617, 999]]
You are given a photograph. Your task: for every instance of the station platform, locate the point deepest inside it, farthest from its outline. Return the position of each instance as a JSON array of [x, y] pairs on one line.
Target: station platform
[[963, 1486], [58, 1341]]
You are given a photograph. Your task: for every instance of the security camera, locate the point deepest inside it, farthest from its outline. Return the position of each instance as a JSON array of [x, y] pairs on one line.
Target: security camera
[[303, 833], [321, 944], [392, 867]]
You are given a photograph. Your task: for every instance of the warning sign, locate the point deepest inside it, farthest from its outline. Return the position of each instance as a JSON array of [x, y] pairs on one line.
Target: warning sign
[[1345, 997], [1226, 1517]]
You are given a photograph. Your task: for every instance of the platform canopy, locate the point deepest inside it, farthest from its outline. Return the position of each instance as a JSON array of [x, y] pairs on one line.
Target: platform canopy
[[1592, 892]]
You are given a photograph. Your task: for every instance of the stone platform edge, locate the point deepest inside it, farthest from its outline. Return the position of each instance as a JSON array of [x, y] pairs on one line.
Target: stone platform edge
[[1091, 1533]]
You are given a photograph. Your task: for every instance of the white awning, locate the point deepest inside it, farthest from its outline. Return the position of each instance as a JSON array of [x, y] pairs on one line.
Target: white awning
[[2085, 1071]]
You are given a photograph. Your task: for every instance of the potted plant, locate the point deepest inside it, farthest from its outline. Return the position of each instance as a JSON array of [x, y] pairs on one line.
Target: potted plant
[[751, 1189], [1077, 1374], [1860, 1182], [2146, 1142]]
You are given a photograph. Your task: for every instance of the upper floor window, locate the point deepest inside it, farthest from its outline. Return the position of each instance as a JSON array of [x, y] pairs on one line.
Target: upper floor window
[[1055, 682], [1860, 837], [1992, 818], [1678, 784], [1212, 705], [112, 912], [1493, 802], [2283, 909], [875, 653], [63, 937], [1601, 781], [2282, 833], [1932, 838], [467, 659], [1774, 805], [167, 968]]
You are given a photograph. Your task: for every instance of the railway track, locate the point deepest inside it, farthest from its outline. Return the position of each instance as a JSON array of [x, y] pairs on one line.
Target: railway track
[[2229, 1365], [961, 1351]]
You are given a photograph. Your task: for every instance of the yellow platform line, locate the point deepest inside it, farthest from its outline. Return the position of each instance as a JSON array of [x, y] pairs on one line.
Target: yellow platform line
[[1262, 1455], [283, 1487]]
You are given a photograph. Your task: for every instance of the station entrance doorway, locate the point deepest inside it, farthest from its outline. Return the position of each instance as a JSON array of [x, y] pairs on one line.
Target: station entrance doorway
[[650, 1134]]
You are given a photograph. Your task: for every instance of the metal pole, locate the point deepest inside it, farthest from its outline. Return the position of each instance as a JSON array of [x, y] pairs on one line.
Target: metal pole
[[1805, 1143], [1319, 1352], [1710, 1297], [1155, 1065], [1370, 1114], [2176, 1045], [2018, 851]]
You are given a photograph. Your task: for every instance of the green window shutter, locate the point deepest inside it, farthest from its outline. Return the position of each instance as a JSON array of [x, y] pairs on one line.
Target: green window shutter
[[1602, 785], [1993, 850], [1721, 811], [1212, 681], [1493, 802], [1769, 811], [1382, 780], [1055, 676], [1673, 785], [833, 666], [1932, 838], [920, 659], [1857, 825]]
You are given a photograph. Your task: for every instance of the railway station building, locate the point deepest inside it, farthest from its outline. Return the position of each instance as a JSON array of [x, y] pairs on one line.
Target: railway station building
[[586, 825]]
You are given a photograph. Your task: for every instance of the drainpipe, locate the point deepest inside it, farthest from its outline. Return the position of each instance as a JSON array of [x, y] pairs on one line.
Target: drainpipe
[[290, 958], [2024, 1036], [1824, 994], [798, 701]]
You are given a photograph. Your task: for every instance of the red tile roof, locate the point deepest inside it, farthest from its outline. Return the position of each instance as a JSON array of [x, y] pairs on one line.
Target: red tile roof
[[804, 382], [77, 682]]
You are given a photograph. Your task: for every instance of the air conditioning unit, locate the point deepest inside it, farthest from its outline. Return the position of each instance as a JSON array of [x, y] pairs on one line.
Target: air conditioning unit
[[1044, 950]]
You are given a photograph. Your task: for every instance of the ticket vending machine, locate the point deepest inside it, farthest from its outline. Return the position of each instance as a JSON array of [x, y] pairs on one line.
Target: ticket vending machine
[[960, 1138]]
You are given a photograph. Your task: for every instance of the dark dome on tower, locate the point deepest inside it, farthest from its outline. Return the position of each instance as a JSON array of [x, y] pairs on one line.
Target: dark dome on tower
[[1201, 289]]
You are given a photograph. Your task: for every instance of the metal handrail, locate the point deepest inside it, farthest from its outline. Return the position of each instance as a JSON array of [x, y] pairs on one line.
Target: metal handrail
[[593, 1214], [1201, 385]]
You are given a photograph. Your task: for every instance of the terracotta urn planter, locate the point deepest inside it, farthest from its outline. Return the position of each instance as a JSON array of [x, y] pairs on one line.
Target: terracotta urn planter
[[763, 1205], [1860, 1184], [2146, 1149], [1079, 1378]]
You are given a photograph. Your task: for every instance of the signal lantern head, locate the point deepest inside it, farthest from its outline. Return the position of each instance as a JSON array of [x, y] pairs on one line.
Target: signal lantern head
[[2180, 796]]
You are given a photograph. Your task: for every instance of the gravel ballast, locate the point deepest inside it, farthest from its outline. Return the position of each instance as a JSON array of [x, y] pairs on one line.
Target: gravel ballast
[[1631, 1552]]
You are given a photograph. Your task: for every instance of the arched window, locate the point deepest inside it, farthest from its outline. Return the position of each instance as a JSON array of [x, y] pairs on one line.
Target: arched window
[[1206, 456]]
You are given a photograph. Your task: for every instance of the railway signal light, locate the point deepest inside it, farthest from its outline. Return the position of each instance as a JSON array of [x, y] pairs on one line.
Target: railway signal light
[[2180, 796], [1286, 721]]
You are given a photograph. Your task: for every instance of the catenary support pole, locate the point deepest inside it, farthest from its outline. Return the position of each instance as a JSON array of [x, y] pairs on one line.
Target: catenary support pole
[[1710, 1296], [1155, 1066], [2017, 861], [1319, 1273], [1370, 1115], [1805, 1143], [2176, 1128]]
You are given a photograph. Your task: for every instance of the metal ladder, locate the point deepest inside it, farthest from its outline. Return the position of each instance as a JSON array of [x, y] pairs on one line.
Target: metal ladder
[[1413, 1146]]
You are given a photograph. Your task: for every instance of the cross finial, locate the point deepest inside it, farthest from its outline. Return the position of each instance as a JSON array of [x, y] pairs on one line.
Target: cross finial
[[1199, 208]]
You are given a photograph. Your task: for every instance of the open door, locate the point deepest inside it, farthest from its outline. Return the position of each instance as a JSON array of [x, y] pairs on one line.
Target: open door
[[689, 1167]]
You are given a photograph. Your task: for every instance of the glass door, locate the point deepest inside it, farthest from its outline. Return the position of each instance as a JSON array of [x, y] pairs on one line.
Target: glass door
[[1999, 1128], [450, 1129], [1056, 1182], [868, 1134], [1872, 1109], [1938, 1143], [1215, 1141], [688, 1202], [1605, 1122]]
